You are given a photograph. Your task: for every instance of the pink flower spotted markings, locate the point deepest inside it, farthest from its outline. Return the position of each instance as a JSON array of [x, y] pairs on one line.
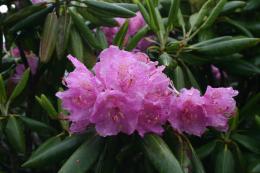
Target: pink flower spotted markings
[[126, 93], [193, 113]]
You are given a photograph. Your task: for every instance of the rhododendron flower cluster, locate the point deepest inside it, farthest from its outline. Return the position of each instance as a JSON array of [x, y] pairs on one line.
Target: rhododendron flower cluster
[[126, 92], [193, 113], [135, 24]]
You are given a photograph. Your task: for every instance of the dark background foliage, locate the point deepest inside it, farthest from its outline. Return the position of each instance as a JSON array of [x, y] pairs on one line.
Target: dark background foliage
[[33, 134]]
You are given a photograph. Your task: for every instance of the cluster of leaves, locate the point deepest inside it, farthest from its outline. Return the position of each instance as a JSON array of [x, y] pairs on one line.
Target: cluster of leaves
[[189, 37]]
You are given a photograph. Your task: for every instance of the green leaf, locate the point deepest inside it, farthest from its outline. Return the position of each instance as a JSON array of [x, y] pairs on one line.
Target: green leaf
[[247, 142], [191, 78], [102, 38], [202, 15], [173, 14], [100, 21], [197, 166], [206, 149], [232, 6], [64, 27], [20, 86], [129, 6], [76, 44], [55, 153], [214, 14], [228, 47], [47, 106], [250, 107], [239, 27], [224, 161], [2, 91], [252, 5], [13, 18], [145, 15], [121, 34], [45, 145], [133, 42], [153, 15], [84, 30], [109, 8], [211, 41], [36, 125], [179, 81], [160, 155], [15, 134], [49, 37], [83, 158], [31, 20], [240, 67]]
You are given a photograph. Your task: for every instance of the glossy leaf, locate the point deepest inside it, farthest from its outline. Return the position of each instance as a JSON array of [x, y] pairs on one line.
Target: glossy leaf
[[232, 6], [49, 37], [54, 153], [247, 142], [15, 134], [120, 37], [2, 90], [224, 161], [20, 86], [36, 125], [173, 14], [133, 42], [179, 78], [109, 8], [47, 105], [82, 159], [160, 155], [206, 149]]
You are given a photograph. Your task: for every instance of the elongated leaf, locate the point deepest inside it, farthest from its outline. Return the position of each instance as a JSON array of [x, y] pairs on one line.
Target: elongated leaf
[[145, 15], [250, 107], [136, 38], [214, 14], [120, 36], [36, 125], [55, 153], [192, 79], [49, 37], [203, 13], [197, 166], [47, 105], [82, 159], [247, 142], [240, 27], [64, 26], [15, 134], [20, 86], [2, 90], [45, 145], [160, 155], [31, 20], [224, 161], [76, 44], [101, 21], [232, 6], [211, 41], [13, 18], [228, 47], [179, 81], [206, 149], [173, 14], [129, 6], [109, 8], [86, 33], [153, 16]]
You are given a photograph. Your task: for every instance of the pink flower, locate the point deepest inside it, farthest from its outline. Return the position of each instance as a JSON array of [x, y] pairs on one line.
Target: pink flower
[[128, 92], [192, 113], [115, 112], [37, 1], [220, 105], [20, 68], [15, 52], [80, 98], [188, 113], [135, 24]]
